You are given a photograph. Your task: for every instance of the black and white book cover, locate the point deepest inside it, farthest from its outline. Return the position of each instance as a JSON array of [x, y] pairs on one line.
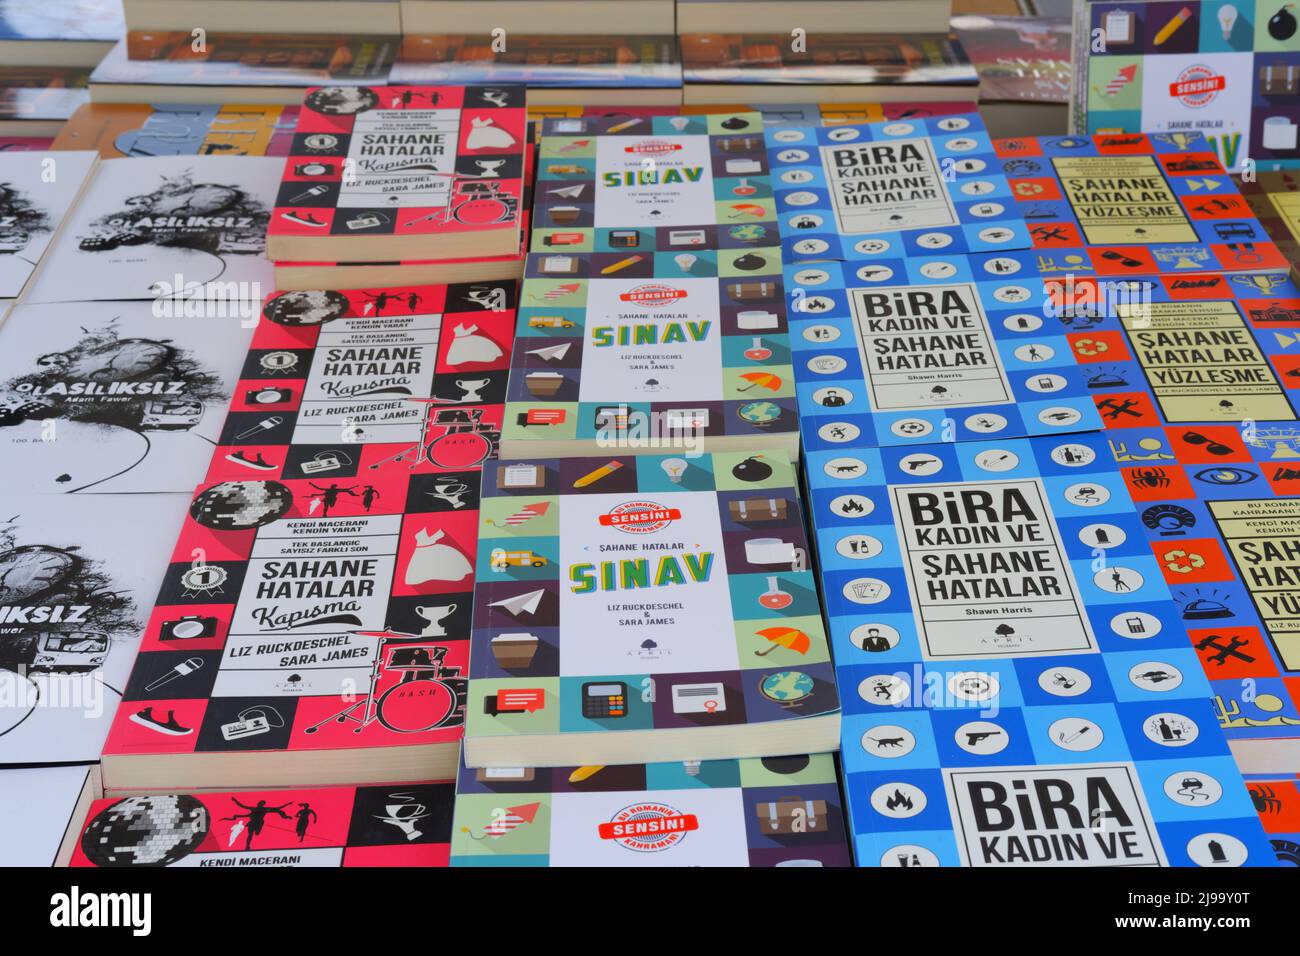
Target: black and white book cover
[[36, 189], [166, 226], [104, 397], [37, 805], [77, 579]]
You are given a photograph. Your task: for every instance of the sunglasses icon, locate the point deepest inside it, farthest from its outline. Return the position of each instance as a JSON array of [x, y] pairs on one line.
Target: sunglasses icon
[[1213, 447]]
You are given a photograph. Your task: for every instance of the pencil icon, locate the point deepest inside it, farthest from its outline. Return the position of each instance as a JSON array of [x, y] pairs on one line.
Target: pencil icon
[[626, 124], [620, 265], [1168, 30], [594, 476]]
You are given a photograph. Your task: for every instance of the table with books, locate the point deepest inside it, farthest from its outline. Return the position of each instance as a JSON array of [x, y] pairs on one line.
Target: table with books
[[622, 434]]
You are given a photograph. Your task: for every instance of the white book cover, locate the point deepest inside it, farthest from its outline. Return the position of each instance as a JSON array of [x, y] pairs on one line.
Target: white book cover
[[78, 577], [36, 190], [36, 806], [150, 227], [99, 397]]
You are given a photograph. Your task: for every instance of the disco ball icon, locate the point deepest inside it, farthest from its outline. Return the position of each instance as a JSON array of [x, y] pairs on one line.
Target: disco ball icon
[[306, 308], [146, 831], [241, 505]]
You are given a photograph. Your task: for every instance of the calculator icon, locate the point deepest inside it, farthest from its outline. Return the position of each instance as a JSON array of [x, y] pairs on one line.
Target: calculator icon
[[600, 701]]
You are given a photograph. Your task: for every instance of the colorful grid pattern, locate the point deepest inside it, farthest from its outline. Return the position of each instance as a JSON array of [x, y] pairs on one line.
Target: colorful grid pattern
[[882, 360], [1036, 652], [354, 384], [732, 633], [1228, 68], [783, 811], [1131, 205], [406, 824], [891, 190], [375, 161]]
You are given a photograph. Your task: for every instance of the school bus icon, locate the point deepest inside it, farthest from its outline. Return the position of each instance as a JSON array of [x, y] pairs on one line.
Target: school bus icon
[[503, 560]]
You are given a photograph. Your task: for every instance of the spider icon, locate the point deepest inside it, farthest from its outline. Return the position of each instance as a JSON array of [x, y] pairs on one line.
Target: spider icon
[[1265, 799], [1150, 478]]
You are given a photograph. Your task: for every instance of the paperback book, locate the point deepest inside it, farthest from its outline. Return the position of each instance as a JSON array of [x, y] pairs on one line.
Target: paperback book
[[897, 189], [1024, 70], [113, 397], [174, 228], [38, 808], [778, 811], [36, 191], [1132, 205], [825, 67], [883, 359], [651, 313], [402, 173], [1275, 199], [117, 130], [36, 100], [307, 632], [830, 16], [722, 652], [529, 17], [1014, 667], [1228, 70], [58, 32], [567, 69], [344, 388], [266, 16], [397, 824], [76, 578], [237, 68]]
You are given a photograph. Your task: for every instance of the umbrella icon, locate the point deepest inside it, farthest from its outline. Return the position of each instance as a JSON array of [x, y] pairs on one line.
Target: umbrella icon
[[788, 637], [764, 379], [506, 821]]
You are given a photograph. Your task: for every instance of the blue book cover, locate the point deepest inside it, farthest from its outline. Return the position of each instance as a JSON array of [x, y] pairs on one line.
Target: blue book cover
[[889, 190], [894, 359], [1017, 687]]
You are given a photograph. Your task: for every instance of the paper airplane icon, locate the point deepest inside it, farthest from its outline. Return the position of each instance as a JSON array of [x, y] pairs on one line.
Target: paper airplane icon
[[552, 353], [521, 604], [569, 192]]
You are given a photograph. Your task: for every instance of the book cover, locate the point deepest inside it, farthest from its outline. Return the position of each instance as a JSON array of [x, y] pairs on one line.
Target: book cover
[[1019, 59], [400, 824], [362, 385], [892, 190], [305, 615], [38, 805], [651, 601], [76, 578], [173, 227], [826, 58], [44, 94], [117, 130], [1131, 205], [77, 21], [573, 62], [651, 313], [1013, 665], [779, 811], [1277, 799], [433, 168], [103, 397], [1228, 70], [915, 359], [36, 192], [1275, 199]]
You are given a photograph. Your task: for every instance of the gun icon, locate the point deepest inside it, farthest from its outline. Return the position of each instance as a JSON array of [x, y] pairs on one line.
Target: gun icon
[[917, 463], [974, 738]]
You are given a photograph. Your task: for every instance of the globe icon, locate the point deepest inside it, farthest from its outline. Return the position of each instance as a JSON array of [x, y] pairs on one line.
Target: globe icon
[[146, 831], [787, 687], [760, 413], [240, 505]]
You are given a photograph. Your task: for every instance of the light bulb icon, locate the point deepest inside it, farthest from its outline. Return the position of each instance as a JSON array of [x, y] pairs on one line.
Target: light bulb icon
[[674, 468], [1227, 19], [685, 261], [679, 123]]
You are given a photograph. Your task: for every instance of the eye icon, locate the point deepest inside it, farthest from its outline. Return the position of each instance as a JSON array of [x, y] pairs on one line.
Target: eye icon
[[1225, 476]]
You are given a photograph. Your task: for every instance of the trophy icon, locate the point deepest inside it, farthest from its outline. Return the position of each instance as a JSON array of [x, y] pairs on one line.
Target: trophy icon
[[404, 813], [433, 617], [471, 387]]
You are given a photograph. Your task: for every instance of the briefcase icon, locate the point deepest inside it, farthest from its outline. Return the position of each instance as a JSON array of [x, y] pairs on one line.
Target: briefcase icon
[[758, 509], [1279, 79], [792, 815]]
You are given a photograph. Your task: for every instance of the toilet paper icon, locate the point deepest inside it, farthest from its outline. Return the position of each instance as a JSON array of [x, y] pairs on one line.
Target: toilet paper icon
[[1279, 133]]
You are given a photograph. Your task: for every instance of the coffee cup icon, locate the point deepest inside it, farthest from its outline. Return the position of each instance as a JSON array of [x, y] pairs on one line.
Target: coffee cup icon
[[405, 816], [514, 650], [434, 616], [775, 551]]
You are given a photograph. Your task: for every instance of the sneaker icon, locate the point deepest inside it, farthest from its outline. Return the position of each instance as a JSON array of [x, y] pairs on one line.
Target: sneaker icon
[[304, 219], [170, 726], [257, 462]]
